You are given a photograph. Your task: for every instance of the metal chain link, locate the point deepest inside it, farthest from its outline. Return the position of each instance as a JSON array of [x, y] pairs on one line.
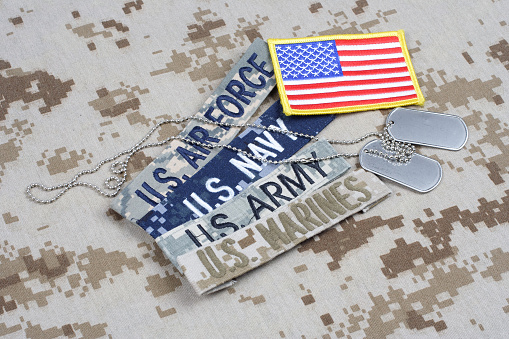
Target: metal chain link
[[400, 152], [114, 183]]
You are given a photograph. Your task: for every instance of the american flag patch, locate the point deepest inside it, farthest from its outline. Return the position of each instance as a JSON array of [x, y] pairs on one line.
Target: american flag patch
[[344, 73]]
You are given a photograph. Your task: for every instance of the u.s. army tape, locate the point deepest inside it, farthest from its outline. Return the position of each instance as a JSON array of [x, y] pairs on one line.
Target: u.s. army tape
[[234, 101], [213, 265], [229, 173], [265, 195]]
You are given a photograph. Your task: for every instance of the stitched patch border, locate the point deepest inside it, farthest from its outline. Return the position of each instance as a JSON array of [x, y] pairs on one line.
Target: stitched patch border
[[419, 100]]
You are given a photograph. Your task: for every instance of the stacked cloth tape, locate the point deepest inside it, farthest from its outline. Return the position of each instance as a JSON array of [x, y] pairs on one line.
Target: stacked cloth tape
[[196, 205], [403, 234]]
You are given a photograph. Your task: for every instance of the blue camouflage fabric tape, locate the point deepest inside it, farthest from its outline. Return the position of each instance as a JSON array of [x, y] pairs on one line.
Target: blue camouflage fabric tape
[[208, 268], [264, 196], [229, 173], [235, 100]]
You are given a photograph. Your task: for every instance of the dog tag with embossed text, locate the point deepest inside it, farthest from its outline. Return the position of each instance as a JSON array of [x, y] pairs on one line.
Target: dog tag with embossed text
[[420, 173], [427, 128]]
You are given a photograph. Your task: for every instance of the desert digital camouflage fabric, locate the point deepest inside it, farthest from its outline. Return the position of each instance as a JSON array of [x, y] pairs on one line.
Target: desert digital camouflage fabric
[[277, 232], [283, 184], [82, 80]]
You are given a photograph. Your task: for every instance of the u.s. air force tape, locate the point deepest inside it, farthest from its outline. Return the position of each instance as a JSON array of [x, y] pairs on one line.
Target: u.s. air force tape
[[207, 268], [234, 101], [229, 173], [262, 197]]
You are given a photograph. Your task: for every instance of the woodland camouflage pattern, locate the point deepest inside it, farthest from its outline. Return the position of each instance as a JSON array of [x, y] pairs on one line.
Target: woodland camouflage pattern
[[80, 81]]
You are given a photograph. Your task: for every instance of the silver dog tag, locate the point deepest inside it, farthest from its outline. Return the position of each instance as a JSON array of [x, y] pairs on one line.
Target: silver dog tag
[[420, 173], [427, 128]]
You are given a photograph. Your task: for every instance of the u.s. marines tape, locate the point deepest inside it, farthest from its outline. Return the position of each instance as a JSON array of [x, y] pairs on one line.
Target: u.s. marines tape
[[264, 196], [229, 173], [207, 268], [234, 101]]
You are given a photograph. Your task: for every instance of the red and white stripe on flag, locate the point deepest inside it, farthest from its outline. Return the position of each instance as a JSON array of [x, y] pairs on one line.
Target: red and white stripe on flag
[[375, 72]]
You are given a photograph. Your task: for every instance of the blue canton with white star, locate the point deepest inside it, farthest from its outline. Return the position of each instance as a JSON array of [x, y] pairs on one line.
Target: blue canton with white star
[[309, 60]]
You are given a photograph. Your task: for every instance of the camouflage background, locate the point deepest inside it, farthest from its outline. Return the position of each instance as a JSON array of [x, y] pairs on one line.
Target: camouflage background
[[80, 81]]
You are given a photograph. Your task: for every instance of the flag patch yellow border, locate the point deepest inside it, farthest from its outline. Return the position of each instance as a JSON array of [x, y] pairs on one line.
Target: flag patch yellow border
[[288, 110]]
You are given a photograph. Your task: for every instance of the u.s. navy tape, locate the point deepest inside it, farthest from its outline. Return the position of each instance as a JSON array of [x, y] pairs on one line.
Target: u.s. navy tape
[[228, 173], [234, 101], [265, 195], [207, 268]]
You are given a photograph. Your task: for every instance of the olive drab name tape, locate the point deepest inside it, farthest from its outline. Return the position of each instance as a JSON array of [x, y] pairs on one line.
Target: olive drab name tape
[[235, 100], [209, 267], [344, 73], [229, 172], [284, 184]]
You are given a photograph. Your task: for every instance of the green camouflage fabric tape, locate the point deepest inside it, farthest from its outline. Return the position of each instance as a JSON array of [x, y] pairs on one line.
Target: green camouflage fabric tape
[[207, 268], [234, 101], [263, 196]]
